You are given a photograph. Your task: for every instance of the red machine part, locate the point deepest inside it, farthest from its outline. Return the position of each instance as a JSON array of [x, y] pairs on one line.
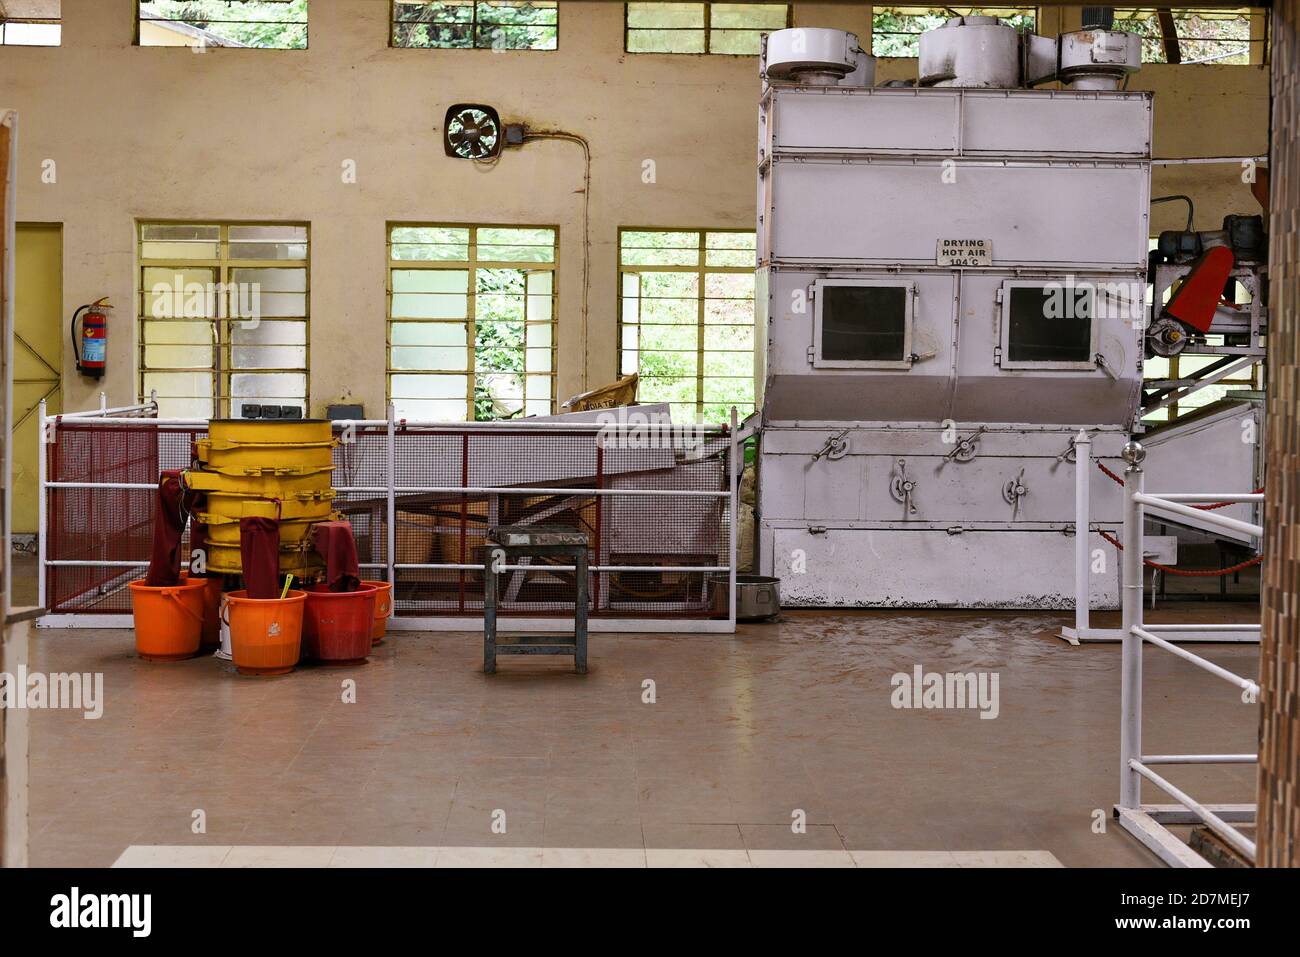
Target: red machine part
[[1194, 302]]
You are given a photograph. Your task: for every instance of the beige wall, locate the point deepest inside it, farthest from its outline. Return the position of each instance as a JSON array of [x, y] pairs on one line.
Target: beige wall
[[155, 133]]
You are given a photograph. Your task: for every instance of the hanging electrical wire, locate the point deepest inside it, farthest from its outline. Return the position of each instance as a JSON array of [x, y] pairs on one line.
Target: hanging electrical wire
[[586, 223]]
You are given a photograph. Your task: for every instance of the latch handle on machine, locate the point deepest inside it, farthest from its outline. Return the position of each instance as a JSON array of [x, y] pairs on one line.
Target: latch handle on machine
[[836, 447], [964, 450], [902, 488], [1105, 366], [1014, 490]]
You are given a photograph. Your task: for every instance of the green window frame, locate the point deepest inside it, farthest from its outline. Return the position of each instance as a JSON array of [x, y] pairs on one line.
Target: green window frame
[[475, 24], [37, 25], [896, 30], [201, 347], [472, 310], [204, 24], [724, 29], [686, 319], [1224, 35]]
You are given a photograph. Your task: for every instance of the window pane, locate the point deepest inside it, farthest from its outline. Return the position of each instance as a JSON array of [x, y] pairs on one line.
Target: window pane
[[895, 29], [488, 24], [689, 332], [1039, 333], [248, 308], [1204, 36], [729, 28], [863, 323], [32, 25], [265, 24], [513, 312]]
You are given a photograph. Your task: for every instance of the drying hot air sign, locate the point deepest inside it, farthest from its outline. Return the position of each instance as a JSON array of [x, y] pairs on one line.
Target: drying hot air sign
[[965, 252]]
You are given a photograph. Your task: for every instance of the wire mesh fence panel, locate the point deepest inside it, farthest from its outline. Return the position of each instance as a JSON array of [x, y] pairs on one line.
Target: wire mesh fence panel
[[651, 553], [105, 524], [640, 545], [360, 480]]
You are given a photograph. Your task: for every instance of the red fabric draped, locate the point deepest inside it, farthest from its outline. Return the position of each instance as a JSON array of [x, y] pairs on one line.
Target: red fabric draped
[[335, 543], [168, 526], [259, 551]]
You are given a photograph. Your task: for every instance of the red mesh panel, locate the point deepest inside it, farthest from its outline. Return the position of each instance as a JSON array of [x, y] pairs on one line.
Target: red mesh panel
[[105, 524]]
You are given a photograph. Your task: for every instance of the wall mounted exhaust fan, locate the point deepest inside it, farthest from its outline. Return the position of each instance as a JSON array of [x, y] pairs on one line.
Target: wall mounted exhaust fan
[[472, 131]]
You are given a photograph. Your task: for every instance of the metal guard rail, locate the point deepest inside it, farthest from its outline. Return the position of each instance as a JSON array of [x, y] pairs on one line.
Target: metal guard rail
[[1147, 822]]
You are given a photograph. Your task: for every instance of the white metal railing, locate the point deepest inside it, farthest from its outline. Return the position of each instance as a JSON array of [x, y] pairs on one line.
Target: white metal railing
[[143, 415], [1169, 503], [1147, 822]]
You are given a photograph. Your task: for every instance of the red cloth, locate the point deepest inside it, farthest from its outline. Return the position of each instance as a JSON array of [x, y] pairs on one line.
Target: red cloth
[[168, 526], [259, 554], [335, 543]]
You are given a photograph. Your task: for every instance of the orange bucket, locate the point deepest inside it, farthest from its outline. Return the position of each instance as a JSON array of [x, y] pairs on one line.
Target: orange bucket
[[265, 633], [168, 619], [383, 608], [211, 638]]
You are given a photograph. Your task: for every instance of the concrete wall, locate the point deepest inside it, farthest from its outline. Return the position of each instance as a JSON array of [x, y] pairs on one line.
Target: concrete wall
[[154, 133]]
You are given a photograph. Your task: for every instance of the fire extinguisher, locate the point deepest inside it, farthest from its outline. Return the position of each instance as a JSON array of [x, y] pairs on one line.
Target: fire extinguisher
[[93, 354]]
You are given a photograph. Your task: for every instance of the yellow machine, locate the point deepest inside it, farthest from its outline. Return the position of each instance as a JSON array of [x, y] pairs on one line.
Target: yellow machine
[[269, 469]]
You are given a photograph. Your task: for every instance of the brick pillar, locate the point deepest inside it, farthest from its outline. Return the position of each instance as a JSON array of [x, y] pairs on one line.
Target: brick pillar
[[1279, 722]]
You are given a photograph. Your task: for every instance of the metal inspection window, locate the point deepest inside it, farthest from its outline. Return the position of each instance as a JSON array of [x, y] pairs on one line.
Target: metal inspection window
[[471, 321], [1048, 326], [223, 316], [862, 323]]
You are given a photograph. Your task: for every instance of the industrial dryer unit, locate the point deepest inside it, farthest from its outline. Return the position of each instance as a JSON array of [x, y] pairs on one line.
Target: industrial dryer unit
[[952, 277]]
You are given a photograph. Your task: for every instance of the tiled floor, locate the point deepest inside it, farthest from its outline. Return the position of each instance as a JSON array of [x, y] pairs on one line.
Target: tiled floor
[[300, 856], [784, 723]]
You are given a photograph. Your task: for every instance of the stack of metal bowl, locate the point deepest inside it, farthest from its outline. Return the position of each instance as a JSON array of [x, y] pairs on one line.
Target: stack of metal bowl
[[267, 469]]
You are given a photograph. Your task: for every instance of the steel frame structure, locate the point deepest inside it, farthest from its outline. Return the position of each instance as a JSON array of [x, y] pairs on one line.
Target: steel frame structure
[[144, 416], [1147, 822]]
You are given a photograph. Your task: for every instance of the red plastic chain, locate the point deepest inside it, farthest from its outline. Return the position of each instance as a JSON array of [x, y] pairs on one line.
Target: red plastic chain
[[1215, 573], [1204, 508]]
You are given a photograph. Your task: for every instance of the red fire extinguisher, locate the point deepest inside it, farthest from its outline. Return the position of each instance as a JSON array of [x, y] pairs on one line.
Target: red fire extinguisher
[[93, 354]]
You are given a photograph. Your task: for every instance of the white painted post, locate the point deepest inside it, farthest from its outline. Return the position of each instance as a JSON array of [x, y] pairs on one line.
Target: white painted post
[[1082, 521], [733, 486], [391, 543], [1130, 746], [42, 516]]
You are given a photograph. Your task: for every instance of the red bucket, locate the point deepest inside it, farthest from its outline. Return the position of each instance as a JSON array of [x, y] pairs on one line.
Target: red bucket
[[336, 625]]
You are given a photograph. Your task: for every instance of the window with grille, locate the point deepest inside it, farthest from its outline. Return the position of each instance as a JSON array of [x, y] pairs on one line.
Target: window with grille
[[260, 24], [471, 321], [727, 28], [686, 319], [223, 316], [482, 24], [896, 30], [34, 23], [1228, 36]]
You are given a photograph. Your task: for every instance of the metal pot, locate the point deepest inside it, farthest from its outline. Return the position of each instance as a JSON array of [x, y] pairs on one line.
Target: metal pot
[[758, 597]]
